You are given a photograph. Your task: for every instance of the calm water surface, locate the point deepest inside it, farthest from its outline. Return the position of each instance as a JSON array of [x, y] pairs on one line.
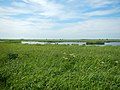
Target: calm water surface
[[113, 43], [73, 43]]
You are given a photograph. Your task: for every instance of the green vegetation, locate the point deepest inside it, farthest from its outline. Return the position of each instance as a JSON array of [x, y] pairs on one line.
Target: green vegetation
[[10, 41], [99, 40], [59, 40], [59, 67], [93, 43]]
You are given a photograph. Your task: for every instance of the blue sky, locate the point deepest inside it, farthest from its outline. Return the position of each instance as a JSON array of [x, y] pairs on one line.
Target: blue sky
[[60, 19]]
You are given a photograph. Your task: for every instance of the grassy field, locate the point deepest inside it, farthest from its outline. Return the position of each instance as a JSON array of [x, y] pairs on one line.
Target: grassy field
[[59, 67]]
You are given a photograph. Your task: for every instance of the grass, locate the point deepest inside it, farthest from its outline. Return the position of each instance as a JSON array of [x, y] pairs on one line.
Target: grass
[[59, 67]]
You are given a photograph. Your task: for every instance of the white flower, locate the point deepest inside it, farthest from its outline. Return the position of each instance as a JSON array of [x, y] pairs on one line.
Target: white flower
[[116, 61], [102, 62], [72, 55], [65, 58], [64, 53]]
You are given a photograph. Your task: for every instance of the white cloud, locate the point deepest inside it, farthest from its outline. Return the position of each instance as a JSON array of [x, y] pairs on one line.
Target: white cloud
[[100, 3], [13, 11], [47, 8], [41, 25], [8, 25], [101, 28], [94, 28], [24, 28], [101, 12]]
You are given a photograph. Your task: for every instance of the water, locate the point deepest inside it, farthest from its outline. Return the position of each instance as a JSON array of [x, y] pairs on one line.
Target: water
[[65, 43], [73, 43], [112, 43]]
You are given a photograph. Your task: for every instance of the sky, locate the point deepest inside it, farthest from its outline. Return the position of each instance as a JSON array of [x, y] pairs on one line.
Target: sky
[[59, 19]]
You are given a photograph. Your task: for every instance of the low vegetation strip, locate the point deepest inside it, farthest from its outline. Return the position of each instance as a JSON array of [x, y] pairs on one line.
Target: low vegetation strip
[[59, 40], [59, 67]]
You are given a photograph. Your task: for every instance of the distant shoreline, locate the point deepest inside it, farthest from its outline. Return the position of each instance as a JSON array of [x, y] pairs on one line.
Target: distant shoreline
[[59, 40]]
